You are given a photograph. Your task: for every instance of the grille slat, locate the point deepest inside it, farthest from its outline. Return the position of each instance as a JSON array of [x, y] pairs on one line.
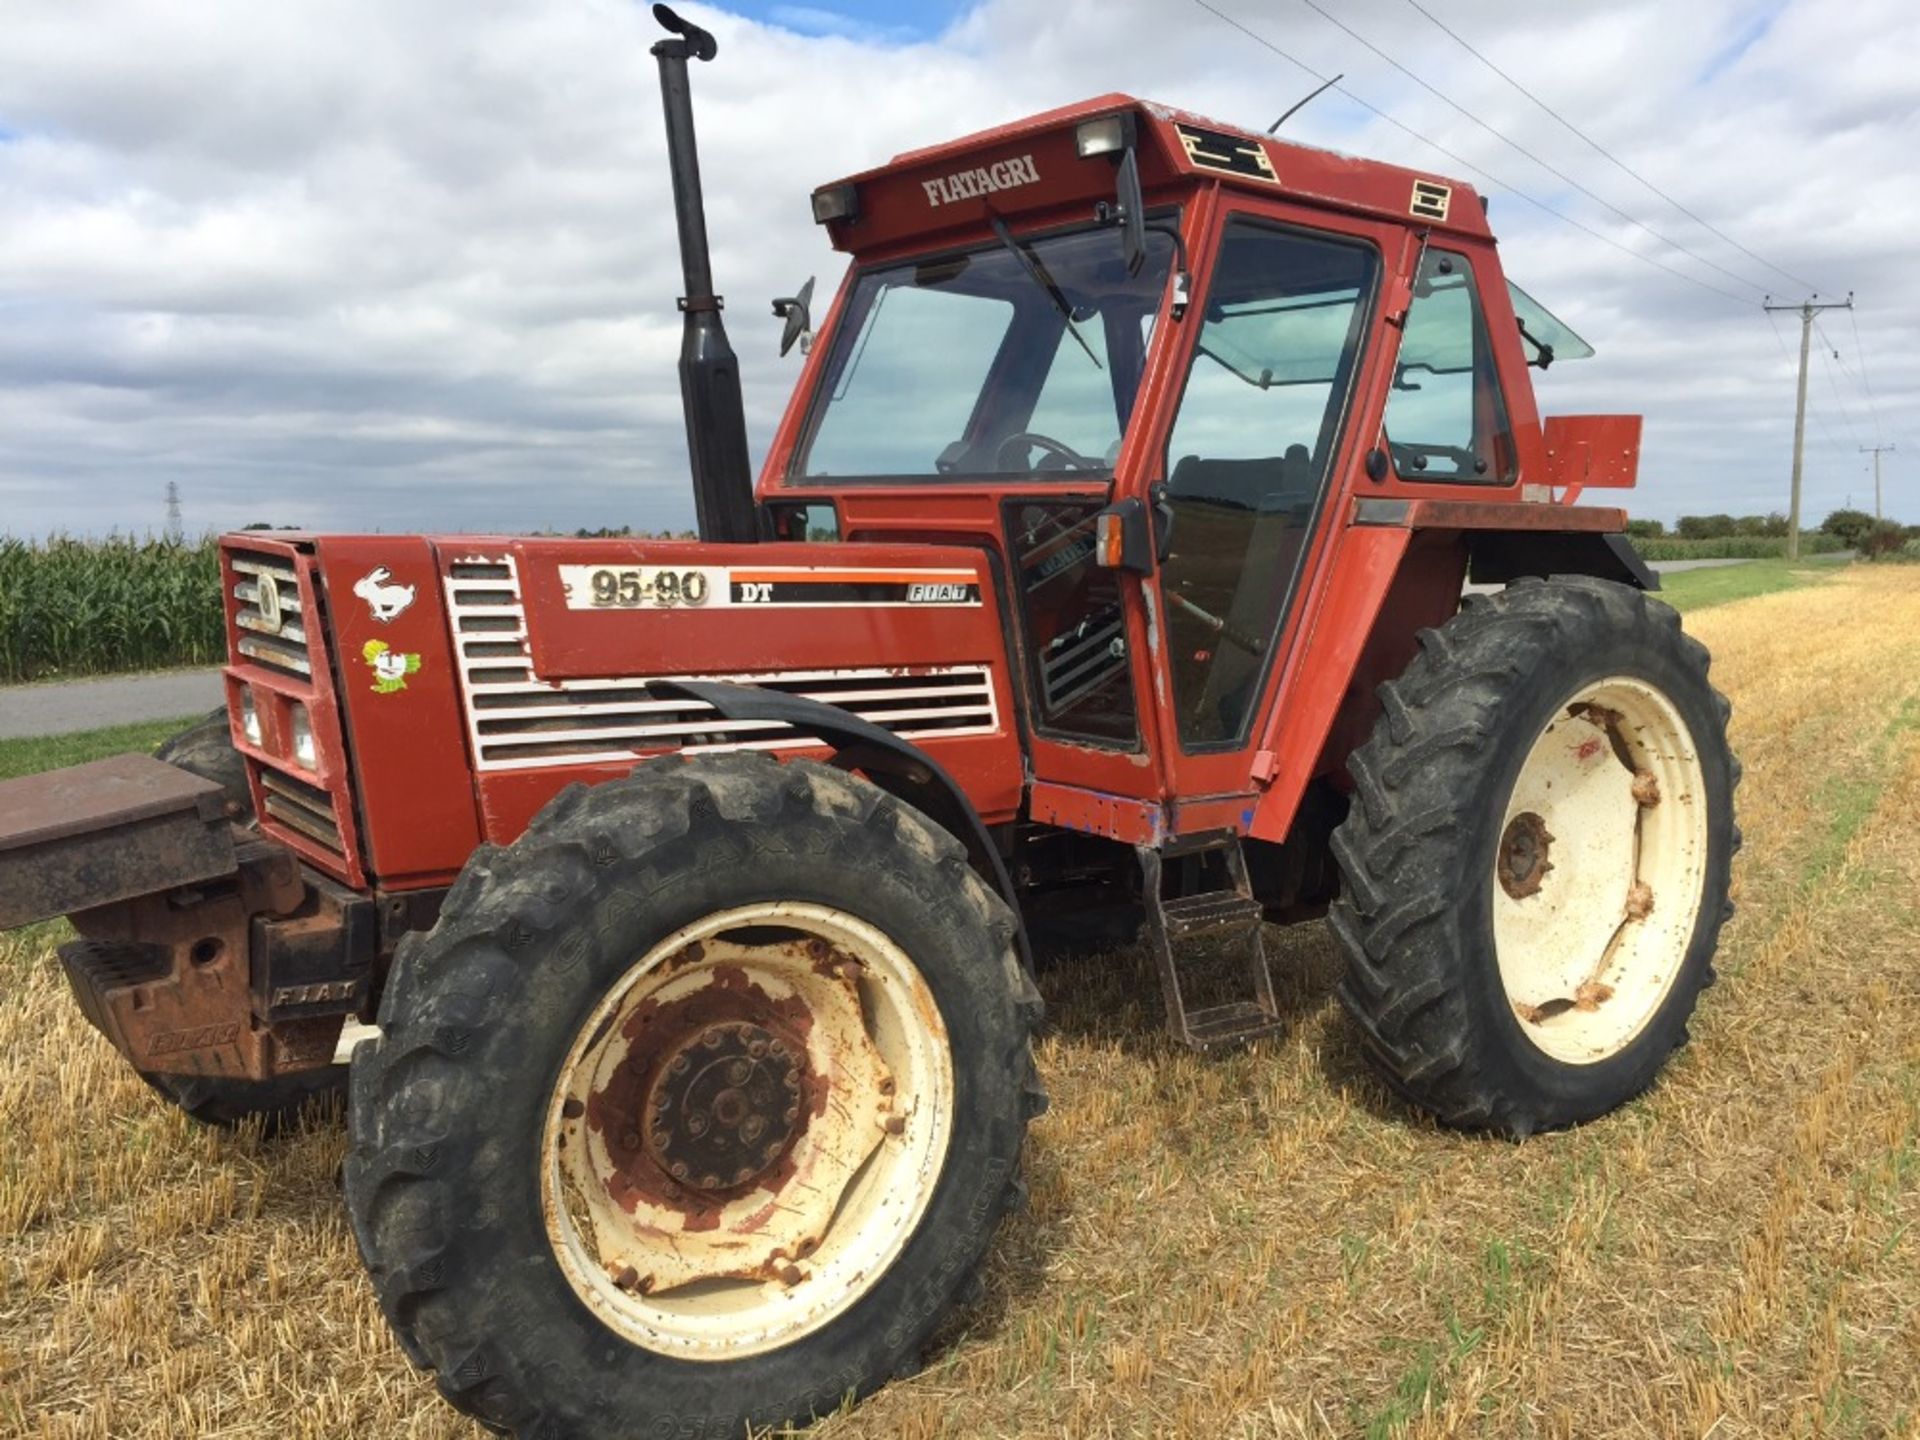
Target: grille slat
[[279, 644], [517, 721], [302, 807]]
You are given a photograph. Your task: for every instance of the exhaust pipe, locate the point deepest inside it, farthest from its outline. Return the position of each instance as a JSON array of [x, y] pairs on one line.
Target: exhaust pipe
[[709, 373]]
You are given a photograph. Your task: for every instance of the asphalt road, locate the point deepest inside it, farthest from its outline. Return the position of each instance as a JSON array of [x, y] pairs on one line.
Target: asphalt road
[[112, 700], [123, 699]]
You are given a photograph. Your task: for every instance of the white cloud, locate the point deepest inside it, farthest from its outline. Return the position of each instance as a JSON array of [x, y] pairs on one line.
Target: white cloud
[[412, 266]]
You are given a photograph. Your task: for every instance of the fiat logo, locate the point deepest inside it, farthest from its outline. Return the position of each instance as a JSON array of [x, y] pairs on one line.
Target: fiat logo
[[267, 592]]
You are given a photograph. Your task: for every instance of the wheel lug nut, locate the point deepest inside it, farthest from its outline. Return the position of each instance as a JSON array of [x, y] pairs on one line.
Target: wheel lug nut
[[678, 1169], [572, 1109]]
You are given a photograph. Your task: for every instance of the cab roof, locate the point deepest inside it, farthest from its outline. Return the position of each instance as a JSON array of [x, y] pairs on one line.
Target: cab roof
[[1033, 164]]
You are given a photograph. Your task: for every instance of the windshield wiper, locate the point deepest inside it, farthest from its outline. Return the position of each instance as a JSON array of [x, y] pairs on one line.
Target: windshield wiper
[[1038, 274]]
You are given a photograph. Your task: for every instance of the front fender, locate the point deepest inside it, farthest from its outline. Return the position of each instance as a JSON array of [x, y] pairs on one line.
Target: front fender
[[900, 768]]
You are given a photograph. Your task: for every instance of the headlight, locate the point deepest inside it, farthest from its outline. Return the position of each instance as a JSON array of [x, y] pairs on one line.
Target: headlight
[[249, 717], [301, 729], [836, 202], [1105, 136]]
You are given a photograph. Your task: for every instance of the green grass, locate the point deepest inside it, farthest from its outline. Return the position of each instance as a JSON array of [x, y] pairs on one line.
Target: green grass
[[1697, 589], [50, 752]]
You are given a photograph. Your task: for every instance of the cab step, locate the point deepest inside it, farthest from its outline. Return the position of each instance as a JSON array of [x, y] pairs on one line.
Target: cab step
[[1212, 896]]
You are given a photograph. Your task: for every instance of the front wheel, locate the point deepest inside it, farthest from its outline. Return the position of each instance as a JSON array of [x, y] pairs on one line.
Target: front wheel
[[697, 1109], [1536, 863]]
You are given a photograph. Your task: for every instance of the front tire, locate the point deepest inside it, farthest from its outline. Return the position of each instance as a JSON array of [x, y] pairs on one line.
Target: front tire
[[1536, 864], [698, 1108]]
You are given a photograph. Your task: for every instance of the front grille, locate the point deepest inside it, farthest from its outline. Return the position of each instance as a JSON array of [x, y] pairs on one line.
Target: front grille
[[516, 721], [279, 646], [301, 806]]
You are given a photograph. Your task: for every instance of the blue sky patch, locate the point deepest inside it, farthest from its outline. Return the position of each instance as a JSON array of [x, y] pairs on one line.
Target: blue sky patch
[[896, 22]]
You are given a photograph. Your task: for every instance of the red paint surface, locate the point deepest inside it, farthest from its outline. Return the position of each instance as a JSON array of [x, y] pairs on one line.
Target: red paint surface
[[1362, 588]]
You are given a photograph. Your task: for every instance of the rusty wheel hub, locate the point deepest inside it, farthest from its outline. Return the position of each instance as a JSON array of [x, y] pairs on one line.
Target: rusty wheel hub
[[725, 1106], [1523, 864], [746, 1129]]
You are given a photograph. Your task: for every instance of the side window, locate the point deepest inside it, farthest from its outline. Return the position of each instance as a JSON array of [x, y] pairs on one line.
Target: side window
[[1259, 416], [1446, 419]]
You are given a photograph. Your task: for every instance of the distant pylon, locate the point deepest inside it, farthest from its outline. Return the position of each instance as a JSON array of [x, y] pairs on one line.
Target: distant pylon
[[176, 531]]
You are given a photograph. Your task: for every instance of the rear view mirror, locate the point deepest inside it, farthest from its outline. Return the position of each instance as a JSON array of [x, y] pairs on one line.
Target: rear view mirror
[[799, 326]]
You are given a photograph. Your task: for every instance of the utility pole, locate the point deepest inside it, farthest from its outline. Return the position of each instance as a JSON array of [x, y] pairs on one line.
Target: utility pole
[[1808, 309], [1876, 451]]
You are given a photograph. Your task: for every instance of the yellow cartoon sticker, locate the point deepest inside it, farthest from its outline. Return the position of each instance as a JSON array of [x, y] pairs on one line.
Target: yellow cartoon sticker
[[390, 667]]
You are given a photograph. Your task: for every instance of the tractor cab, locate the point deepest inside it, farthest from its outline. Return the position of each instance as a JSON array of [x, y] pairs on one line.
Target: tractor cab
[[1173, 377]]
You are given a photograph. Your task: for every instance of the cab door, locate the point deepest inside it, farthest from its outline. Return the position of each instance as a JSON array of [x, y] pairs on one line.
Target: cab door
[[1256, 447]]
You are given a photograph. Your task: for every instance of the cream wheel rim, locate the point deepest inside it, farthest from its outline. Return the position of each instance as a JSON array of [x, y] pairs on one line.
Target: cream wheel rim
[[1599, 868], [747, 1130]]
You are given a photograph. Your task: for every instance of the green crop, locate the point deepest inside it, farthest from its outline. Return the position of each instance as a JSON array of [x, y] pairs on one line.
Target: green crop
[[81, 607]]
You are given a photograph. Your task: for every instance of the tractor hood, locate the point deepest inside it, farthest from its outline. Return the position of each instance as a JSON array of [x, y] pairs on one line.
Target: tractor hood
[[475, 676]]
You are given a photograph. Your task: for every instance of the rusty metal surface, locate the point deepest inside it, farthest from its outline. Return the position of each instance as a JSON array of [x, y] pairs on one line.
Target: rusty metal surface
[[1523, 865], [104, 832], [693, 1121], [167, 976]]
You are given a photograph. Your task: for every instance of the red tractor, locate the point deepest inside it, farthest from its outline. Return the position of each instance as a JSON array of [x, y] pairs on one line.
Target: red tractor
[[1108, 561]]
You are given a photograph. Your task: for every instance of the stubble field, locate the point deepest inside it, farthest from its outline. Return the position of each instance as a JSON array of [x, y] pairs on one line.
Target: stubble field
[[1263, 1244]]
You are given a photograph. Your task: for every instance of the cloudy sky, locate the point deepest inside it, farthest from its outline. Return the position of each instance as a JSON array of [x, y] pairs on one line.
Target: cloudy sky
[[405, 264]]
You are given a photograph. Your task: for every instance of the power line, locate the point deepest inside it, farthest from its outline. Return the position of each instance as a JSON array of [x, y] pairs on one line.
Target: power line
[[1860, 350], [1828, 357], [1468, 165], [1819, 415], [1513, 144], [1617, 161]]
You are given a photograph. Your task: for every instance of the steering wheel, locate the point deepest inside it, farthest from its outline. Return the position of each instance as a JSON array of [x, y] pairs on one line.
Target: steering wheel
[[1011, 453]]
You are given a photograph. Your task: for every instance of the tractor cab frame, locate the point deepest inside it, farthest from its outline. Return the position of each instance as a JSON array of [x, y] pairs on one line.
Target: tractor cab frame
[[1294, 412]]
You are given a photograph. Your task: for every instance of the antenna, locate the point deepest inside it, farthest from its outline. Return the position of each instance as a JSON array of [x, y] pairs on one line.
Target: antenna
[[176, 531], [1301, 104]]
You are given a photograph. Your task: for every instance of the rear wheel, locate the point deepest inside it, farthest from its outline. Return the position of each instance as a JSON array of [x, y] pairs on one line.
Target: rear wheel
[[1536, 865], [699, 1106]]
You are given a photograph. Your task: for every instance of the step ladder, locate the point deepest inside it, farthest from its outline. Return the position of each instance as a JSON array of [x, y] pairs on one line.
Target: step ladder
[[1200, 911]]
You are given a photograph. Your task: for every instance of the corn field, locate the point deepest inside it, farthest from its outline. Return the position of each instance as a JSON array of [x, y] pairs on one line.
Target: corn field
[[79, 607]]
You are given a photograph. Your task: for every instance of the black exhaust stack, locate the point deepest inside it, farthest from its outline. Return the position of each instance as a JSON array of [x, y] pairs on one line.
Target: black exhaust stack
[[709, 374]]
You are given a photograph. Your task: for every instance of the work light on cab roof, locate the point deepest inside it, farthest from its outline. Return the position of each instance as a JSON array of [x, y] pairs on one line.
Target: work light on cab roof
[[671, 908]]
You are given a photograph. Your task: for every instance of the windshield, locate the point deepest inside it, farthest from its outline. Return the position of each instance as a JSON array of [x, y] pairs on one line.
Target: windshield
[[1021, 358]]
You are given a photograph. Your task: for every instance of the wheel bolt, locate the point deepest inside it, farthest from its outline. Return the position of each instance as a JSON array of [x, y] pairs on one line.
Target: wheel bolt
[[572, 1109]]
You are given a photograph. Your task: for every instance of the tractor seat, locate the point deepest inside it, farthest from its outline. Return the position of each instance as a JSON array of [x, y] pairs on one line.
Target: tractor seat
[[1265, 483]]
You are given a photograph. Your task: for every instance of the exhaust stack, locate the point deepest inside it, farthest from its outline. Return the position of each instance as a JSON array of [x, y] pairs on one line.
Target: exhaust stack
[[709, 373]]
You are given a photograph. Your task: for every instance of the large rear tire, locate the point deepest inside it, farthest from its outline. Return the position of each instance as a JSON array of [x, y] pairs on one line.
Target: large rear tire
[[698, 1108], [1536, 864]]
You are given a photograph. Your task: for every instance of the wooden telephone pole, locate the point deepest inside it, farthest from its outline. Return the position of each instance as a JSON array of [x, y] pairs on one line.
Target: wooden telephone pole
[[1808, 309], [1876, 451]]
